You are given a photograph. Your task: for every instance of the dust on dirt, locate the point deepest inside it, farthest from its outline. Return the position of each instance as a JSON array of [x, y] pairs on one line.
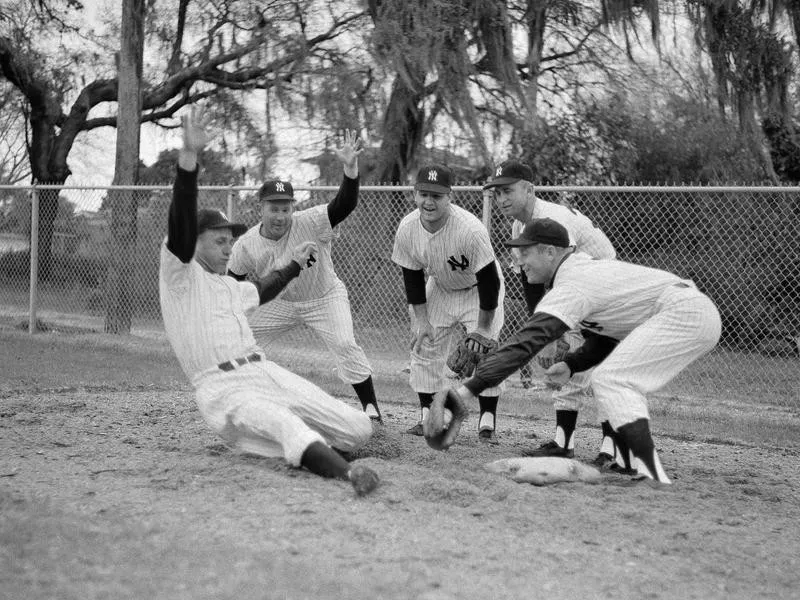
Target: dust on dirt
[[111, 485]]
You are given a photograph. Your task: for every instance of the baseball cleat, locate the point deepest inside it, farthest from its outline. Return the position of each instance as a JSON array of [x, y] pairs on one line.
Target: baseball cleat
[[550, 448], [487, 436], [603, 461], [373, 413], [416, 430], [363, 479]]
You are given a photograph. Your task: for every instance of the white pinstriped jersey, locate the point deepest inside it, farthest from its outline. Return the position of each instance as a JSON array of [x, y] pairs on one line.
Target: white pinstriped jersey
[[254, 254], [610, 297], [583, 234], [204, 314], [452, 255]]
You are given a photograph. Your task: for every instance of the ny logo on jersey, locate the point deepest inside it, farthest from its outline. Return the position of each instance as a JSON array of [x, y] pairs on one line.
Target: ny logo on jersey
[[454, 263], [279, 187], [593, 325], [311, 260], [432, 175]]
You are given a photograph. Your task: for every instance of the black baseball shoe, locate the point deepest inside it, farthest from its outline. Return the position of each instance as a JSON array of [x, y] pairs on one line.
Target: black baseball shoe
[[550, 448], [416, 430], [487, 436], [363, 479], [374, 413]]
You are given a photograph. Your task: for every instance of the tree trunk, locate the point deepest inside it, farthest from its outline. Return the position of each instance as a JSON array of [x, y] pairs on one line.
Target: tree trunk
[[121, 273]]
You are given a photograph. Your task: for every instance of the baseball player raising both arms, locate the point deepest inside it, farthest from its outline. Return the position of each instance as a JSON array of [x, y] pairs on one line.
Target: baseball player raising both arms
[[513, 190], [252, 403], [451, 247], [651, 324], [317, 297]]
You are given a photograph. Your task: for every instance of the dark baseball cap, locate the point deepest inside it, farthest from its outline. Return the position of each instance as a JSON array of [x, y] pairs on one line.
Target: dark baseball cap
[[275, 191], [216, 219], [541, 231], [434, 178], [511, 171]]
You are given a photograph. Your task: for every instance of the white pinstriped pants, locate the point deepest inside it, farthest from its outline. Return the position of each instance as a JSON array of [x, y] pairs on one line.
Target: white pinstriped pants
[[329, 317], [685, 326], [261, 408], [447, 312]]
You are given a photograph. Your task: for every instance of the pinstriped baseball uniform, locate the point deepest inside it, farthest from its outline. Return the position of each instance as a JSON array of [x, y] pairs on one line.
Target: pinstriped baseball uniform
[[317, 297], [587, 238], [252, 403], [450, 257], [664, 324]]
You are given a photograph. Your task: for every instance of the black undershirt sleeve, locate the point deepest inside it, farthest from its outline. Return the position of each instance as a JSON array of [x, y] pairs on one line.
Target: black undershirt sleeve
[[538, 331], [533, 293], [273, 284], [488, 286], [182, 219], [594, 350], [345, 201], [414, 283]]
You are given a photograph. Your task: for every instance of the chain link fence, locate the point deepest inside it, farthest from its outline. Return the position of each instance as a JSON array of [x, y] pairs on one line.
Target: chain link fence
[[740, 245]]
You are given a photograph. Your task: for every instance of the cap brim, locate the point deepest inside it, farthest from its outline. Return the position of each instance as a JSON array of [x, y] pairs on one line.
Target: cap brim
[[501, 181], [274, 197], [237, 229], [432, 187], [520, 242]]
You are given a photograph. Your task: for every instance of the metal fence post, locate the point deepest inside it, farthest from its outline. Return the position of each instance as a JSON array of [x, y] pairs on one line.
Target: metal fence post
[[34, 278], [231, 216]]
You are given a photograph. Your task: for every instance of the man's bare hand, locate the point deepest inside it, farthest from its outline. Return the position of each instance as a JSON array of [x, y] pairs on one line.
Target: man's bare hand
[[349, 152], [303, 252]]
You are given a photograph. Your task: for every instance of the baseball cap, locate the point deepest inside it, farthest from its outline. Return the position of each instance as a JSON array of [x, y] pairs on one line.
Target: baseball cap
[[434, 178], [510, 171], [541, 231], [216, 219], [276, 190]]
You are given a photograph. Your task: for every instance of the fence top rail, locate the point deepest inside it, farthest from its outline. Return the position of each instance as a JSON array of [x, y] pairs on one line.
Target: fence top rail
[[408, 188]]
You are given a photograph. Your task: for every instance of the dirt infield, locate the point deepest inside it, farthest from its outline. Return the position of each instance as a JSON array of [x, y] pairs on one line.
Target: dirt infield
[[111, 486]]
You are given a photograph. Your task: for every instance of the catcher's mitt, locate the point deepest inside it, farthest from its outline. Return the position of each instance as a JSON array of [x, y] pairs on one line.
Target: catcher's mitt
[[468, 352], [552, 353], [440, 434]]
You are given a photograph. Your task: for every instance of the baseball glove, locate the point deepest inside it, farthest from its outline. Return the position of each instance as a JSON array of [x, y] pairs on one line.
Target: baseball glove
[[439, 433], [552, 353], [468, 352]]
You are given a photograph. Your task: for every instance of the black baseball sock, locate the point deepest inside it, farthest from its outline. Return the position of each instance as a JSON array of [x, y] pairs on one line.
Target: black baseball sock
[[488, 404], [324, 461], [565, 426], [640, 443], [607, 445], [425, 401], [366, 393]]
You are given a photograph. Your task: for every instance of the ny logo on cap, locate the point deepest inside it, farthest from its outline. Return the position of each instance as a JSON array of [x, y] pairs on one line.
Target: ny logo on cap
[[499, 172], [432, 175], [279, 187]]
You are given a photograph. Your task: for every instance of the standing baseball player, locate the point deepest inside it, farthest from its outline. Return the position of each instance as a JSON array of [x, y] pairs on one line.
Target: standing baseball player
[[252, 403], [317, 297], [513, 189], [451, 248], [651, 324]]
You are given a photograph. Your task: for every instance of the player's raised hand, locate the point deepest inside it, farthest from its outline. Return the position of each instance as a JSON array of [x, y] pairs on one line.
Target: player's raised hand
[[557, 375], [349, 152], [303, 252], [195, 127]]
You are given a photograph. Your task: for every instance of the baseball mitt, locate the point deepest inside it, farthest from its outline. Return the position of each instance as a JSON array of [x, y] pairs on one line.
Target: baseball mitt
[[468, 352], [439, 433], [552, 353]]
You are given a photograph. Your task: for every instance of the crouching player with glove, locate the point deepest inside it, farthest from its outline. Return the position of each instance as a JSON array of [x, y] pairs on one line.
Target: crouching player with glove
[[651, 324]]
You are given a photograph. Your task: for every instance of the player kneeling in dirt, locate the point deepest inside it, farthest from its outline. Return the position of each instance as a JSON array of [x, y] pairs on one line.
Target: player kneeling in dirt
[[650, 325], [255, 405]]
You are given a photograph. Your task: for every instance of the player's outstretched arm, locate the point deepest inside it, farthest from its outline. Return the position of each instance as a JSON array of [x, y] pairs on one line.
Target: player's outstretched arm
[[182, 219], [275, 281], [347, 197]]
